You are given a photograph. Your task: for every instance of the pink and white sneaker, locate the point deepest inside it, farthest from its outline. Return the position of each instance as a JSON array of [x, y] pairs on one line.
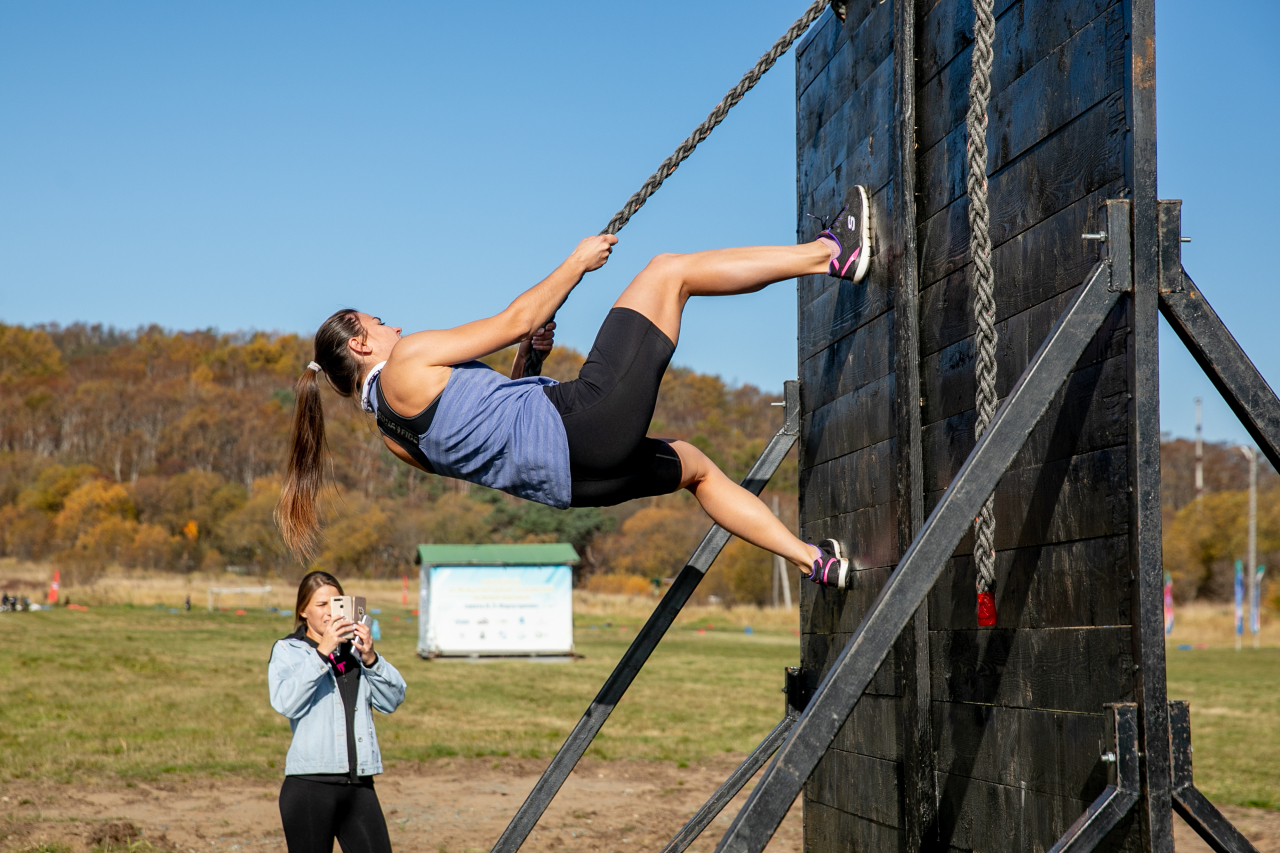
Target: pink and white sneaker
[[831, 568], [851, 232]]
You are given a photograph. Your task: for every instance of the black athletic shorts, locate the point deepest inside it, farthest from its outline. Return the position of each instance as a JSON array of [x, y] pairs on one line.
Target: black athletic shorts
[[607, 410]]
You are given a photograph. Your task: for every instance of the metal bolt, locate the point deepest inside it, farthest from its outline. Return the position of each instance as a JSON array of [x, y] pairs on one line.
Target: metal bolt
[[1109, 757], [1186, 239], [1101, 236]]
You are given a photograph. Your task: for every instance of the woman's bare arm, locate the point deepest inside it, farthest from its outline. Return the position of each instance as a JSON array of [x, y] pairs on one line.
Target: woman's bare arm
[[520, 321]]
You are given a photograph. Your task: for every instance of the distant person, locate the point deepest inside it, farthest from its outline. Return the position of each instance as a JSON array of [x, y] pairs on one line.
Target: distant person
[[186, 605], [579, 443], [328, 784]]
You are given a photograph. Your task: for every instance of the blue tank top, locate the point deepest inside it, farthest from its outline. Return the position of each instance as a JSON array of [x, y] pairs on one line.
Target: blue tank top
[[497, 432]]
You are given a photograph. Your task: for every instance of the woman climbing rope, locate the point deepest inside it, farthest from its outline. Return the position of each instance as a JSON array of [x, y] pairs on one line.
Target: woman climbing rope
[[577, 443]]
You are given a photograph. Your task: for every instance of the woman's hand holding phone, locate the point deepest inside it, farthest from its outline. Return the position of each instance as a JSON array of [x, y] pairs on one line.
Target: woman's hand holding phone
[[364, 644], [338, 631]]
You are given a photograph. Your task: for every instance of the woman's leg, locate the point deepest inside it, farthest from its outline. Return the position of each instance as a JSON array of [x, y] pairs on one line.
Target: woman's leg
[[307, 812], [737, 510], [662, 288], [363, 829]]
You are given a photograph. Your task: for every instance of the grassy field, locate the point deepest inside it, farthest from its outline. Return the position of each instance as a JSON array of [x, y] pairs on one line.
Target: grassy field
[[137, 693]]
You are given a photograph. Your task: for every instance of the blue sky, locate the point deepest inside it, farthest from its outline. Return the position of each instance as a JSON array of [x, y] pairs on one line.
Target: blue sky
[[246, 165]]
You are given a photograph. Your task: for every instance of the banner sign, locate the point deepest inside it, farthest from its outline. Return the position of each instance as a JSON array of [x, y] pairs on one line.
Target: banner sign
[[497, 610], [1239, 598], [1255, 614]]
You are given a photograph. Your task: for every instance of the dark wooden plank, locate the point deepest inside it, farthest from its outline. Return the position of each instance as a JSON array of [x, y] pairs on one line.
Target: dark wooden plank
[[919, 797], [817, 48], [828, 830], [850, 133], [859, 785], [1061, 82], [1047, 752], [871, 534], [1082, 158], [1078, 498], [838, 612], [1066, 585], [947, 378], [943, 168], [1068, 669], [852, 69], [981, 816], [848, 364], [873, 729], [819, 651], [851, 482], [945, 30], [1048, 259], [859, 419], [1090, 413]]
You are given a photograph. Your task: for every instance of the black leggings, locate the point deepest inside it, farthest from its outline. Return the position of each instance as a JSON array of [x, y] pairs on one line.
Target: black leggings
[[607, 411], [314, 813]]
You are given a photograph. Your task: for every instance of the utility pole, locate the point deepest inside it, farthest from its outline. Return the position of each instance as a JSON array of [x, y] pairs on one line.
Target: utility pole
[[1252, 566], [1199, 454], [780, 580]]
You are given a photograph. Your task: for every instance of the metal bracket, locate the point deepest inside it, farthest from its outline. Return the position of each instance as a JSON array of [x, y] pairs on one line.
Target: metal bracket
[[1117, 249], [1123, 784], [1172, 278], [1192, 805], [797, 690]]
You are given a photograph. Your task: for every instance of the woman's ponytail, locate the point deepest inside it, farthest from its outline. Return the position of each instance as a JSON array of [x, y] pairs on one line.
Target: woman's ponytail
[[298, 514]]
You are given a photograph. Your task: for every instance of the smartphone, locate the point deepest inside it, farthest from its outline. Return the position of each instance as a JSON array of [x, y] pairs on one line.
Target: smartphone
[[350, 606]]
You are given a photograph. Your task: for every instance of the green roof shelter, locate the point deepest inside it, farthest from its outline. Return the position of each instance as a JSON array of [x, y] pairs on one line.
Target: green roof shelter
[[496, 600]]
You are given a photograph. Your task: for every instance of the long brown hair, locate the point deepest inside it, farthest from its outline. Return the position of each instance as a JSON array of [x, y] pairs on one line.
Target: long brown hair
[[307, 588], [296, 513]]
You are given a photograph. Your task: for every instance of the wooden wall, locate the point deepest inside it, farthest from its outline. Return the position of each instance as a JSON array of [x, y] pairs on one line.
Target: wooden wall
[[968, 739]]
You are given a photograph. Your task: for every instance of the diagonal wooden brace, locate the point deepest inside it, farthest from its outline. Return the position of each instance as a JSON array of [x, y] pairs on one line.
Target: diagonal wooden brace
[[1212, 344], [647, 638], [1192, 805]]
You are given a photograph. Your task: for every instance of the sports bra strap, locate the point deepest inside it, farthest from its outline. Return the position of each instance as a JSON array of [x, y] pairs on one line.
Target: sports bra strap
[[406, 431]]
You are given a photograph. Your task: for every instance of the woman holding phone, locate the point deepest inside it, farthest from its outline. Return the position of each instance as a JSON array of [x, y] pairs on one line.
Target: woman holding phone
[[326, 678]]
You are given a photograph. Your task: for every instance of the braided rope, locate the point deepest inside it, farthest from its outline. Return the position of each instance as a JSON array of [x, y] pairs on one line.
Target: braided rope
[[684, 149], [984, 300]]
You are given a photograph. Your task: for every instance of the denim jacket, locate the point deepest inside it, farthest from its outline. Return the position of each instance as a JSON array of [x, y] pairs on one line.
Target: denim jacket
[[304, 689]]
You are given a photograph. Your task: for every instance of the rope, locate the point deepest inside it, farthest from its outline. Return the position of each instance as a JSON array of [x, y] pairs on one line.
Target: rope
[[534, 359], [684, 149], [984, 300]]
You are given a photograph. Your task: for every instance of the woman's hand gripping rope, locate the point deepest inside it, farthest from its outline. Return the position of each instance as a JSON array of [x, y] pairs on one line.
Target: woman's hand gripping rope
[[591, 254]]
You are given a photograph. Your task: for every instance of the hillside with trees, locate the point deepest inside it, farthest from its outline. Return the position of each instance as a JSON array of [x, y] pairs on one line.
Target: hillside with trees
[[163, 450]]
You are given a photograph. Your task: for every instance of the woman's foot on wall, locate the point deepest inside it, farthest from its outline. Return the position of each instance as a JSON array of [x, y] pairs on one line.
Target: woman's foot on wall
[[830, 567], [849, 238]]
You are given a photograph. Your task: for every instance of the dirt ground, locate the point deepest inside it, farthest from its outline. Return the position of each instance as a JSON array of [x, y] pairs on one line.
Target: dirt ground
[[446, 806]]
